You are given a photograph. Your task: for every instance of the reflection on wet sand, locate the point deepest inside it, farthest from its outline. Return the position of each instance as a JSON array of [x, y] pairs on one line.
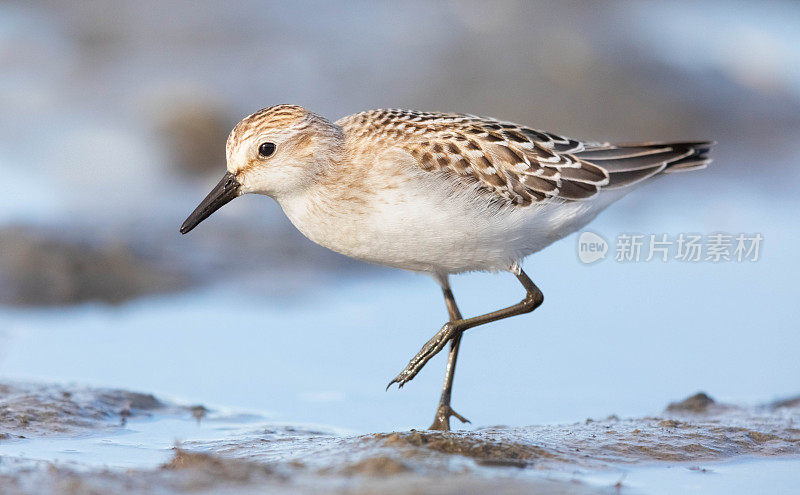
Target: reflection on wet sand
[[243, 457]]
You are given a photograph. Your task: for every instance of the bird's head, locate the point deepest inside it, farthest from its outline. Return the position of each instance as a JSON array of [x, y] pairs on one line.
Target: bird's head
[[277, 151]]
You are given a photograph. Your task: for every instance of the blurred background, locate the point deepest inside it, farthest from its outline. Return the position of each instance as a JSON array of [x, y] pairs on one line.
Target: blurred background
[[114, 116]]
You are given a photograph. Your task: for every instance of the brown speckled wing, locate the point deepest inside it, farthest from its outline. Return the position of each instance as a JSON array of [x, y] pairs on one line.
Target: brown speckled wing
[[519, 164]]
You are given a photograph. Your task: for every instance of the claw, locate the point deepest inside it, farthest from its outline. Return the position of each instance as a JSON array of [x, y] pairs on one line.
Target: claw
[[460, 417], [399, 380], [430, 349]]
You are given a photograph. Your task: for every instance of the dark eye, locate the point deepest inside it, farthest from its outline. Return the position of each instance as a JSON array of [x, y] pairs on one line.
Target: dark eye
[[266, 149]]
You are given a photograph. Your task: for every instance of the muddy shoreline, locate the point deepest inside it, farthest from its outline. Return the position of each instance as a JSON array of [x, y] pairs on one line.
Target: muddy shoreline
[[545, 458]]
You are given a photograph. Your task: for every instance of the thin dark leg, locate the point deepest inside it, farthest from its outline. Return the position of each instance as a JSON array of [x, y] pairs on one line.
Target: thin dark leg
[[533, 299], [443, 412]]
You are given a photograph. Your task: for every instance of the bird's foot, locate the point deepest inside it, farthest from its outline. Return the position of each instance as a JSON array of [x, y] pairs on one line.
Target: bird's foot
[[430, 349], [442, 420]]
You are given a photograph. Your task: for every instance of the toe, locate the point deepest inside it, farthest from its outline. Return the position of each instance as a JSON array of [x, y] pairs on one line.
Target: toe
[[460, 417]]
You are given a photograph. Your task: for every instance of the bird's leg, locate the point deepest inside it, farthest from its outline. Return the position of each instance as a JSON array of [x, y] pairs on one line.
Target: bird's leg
[[443, 412], [533, 299]]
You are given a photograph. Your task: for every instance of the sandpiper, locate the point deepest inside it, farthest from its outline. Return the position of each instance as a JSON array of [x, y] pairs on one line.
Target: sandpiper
[[439, 193]]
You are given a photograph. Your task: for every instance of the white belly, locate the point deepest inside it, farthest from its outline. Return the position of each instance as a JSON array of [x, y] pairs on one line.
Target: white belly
[[426, 227]]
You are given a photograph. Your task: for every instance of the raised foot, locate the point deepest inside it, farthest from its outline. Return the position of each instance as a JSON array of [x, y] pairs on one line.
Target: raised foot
[[442, 420], [430, 349]]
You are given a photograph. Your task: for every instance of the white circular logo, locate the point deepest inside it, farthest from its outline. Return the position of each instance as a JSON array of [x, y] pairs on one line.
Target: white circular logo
[[591, 247]]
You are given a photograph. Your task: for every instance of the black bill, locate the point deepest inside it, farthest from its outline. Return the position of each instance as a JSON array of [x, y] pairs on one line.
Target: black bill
[[226, 190]]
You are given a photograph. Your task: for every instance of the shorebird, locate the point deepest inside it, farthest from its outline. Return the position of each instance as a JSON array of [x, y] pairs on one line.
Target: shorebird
[[438, 193]]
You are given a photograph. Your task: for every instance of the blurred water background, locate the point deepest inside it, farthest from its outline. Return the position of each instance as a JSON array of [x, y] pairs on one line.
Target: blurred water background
[[113, 123]]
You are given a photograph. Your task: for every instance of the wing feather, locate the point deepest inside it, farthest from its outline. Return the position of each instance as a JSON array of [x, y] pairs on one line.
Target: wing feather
[[518, 164]]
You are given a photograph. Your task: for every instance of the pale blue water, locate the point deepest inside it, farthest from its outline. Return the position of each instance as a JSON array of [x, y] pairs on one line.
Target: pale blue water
[[752, 475]]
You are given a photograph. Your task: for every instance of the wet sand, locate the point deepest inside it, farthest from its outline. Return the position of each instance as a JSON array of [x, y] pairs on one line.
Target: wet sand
[[583, 457]]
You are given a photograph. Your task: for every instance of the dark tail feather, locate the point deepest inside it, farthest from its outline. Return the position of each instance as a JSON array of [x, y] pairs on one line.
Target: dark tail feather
[[696, 160], [629, 163]]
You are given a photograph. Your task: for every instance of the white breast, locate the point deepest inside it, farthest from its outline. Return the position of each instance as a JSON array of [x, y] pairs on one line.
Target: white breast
[[428, 224]]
